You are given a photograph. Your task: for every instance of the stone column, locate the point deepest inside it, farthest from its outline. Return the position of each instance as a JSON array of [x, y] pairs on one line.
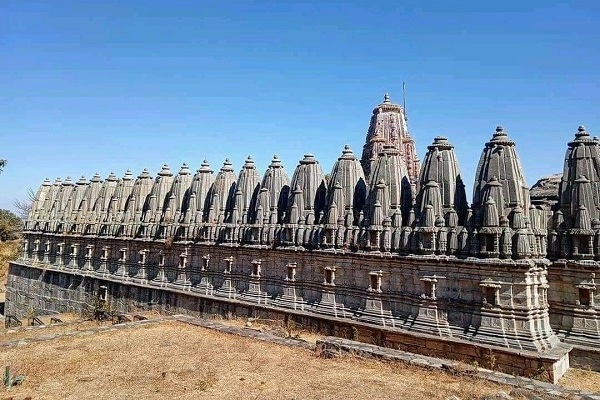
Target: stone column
[[290, 298], [328, 304], [254, 293], [74, 256], [104, 262], [60, 255], [25, 250], [374, 311], [122, 263], [183, 280], [47, 248], [89, 257], [160, 278], [204, 286], [36, 250], [227, 289], [142, 274]]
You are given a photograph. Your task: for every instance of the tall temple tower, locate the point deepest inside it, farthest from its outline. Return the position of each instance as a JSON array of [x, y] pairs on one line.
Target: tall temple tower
[[388, 127]]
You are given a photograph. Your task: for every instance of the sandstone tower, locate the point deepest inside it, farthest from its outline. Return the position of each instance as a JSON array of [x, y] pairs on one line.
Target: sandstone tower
[[388, 127]]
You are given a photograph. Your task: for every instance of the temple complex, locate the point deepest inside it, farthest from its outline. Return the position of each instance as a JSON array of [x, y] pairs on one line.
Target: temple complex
[[386, 245]]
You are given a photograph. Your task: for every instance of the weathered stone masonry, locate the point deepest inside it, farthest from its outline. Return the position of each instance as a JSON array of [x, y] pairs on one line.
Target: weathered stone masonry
[[398, 247]]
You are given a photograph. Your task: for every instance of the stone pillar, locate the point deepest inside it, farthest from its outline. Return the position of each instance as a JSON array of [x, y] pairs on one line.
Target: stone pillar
[[374, 311], [74, 256], [160, 278], [386, 241], [104, 262], [183, 280], [60, 255], [36, 250], [227, 289], [47, 248], [25, 250], [340, 241], [204, 286], [328, 304], [122, 263], [290, 297], [254, 293], [142, 274], [89, 258]]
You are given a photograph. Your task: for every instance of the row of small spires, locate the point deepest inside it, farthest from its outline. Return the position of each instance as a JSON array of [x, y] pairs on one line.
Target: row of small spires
[[205, 166], [440, 143], [499, 200]]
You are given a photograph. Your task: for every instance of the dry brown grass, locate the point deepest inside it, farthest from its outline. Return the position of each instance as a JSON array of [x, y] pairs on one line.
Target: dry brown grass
[[178, 361], [581, 379], [274, 327]]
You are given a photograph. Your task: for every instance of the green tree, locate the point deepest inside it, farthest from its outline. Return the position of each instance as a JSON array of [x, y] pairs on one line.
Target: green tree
[[10, 226]]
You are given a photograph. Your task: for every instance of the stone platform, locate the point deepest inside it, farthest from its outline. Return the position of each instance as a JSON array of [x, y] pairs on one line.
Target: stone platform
[[50, 290]]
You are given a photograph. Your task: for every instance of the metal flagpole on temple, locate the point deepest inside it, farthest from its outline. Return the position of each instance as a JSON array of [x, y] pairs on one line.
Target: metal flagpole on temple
[[404, 100]]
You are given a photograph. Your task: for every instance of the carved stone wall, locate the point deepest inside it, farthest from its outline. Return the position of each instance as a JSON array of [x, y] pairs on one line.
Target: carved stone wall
[[501, 303]]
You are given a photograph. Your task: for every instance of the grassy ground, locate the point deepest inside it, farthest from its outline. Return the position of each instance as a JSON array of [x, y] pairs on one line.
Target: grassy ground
[[178, 361]]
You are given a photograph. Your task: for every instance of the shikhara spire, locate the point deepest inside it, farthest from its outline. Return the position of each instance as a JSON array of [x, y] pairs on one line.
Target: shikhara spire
[[388, 127]]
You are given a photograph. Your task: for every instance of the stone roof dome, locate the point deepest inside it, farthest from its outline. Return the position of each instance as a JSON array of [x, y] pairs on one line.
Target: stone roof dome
[[348, 175], [441, 166], [310, 180]]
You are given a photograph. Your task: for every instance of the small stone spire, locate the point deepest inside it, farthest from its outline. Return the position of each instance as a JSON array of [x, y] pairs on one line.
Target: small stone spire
[[185, 170], [311, 180], [145, 174], [227, 166], [441, 166], [205, 167], [275, 162], [96, 178], [274, 193], [500, 162], [247, 188], [348, 174], [580, 183]]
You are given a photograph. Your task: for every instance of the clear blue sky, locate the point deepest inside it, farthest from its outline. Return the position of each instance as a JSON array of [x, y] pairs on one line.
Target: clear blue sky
[[108, 85]]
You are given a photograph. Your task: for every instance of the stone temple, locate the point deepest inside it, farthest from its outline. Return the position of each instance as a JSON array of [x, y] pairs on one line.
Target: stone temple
[[386, 250]]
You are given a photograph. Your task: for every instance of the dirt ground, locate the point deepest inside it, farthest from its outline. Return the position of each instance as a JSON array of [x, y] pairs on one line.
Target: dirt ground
[[179, 361]]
